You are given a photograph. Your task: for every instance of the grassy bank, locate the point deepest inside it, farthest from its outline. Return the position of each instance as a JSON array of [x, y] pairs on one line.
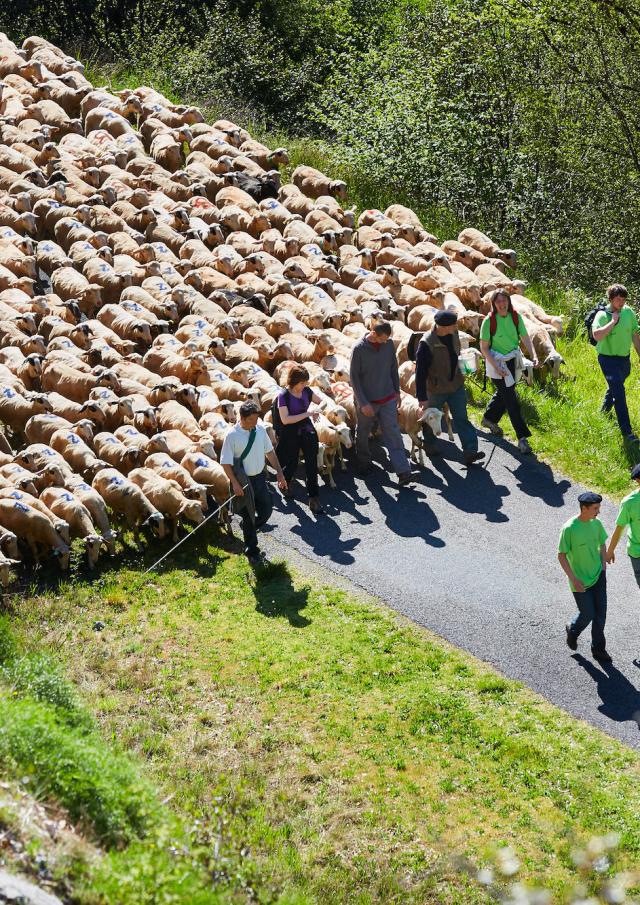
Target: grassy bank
[[317, 749]]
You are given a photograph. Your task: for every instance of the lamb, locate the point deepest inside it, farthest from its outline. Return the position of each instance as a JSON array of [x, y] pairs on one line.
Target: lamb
[[116, 453]]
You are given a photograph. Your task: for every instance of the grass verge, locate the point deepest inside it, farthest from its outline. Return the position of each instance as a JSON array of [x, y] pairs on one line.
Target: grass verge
[[319, 750]]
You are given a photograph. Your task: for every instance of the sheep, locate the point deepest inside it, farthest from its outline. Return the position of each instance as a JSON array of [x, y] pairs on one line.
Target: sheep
[[127, 500], [36, 529], [166, 495]]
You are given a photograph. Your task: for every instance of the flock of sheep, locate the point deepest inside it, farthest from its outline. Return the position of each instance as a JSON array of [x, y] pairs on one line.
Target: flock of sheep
[[154, 273]]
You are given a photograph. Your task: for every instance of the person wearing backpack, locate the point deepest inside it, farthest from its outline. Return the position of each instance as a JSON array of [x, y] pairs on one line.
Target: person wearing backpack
[[500, 335], [293, 424], [245, 448], [615, 328], [439, 380]]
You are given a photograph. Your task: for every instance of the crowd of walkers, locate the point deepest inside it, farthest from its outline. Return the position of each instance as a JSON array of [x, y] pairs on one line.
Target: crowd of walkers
[[440, 382]]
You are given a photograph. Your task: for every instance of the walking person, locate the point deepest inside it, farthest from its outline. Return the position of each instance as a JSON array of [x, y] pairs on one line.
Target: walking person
[[245, 448], [581, 554], [629, 517], [500, 335], [615, 329], [296, 433], [376, 388], [439, 380]]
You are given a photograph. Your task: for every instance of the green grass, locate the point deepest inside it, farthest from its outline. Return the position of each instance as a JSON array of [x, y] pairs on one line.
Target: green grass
[[337, 755]]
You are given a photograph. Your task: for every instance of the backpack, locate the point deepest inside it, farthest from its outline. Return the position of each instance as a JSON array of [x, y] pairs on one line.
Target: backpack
[[412, 347], [493, 322], [589, 318]]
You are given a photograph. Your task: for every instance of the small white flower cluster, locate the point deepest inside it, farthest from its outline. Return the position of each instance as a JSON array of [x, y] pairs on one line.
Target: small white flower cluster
[[592, 862]]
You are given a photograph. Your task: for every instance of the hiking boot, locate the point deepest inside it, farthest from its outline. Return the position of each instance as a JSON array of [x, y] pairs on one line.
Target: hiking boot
[[572, 641], [523, 446], [315, 506], [601, 655], [470, 458], [404, 479], [631, 438], [494, 429]]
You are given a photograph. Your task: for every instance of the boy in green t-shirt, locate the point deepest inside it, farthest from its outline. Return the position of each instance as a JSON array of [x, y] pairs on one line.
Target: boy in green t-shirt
[[581, 553], [629, 517], [616, 329]]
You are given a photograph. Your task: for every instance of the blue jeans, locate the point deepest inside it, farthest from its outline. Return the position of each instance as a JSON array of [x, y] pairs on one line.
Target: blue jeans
[[592, 608], [264, 508], [616, 369], [457, 403]]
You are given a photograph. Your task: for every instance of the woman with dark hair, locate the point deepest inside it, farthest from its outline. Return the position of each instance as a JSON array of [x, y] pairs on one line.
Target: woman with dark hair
[[296, 433], [500, 336]]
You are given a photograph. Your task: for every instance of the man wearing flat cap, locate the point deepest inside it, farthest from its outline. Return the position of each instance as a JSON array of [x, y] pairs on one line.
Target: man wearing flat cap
[[581, 553], [629, 517], [439, 380]]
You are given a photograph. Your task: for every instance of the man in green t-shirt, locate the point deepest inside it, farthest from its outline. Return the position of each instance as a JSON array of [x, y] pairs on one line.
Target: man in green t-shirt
[[629, 517], [581, 553], [615, 329]]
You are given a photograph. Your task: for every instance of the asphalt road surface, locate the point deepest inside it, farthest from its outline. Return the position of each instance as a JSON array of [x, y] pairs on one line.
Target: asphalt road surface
[[472, 555]]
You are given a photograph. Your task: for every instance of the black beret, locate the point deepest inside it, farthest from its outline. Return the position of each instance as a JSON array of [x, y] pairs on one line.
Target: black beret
[[635, 472], [446, 318], [589, 498]]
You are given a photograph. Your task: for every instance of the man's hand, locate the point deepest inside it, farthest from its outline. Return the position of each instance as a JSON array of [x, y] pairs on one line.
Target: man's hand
[[535, 362], [238, 489], [368, 411], [578, 585], [314, 415], [282, 482], [615, 317], [611, 556]]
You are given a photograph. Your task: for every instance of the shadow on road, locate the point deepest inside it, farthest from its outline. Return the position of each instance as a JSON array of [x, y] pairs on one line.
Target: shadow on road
[[323, 535], [536, 479], [472, 492], [620, 698]]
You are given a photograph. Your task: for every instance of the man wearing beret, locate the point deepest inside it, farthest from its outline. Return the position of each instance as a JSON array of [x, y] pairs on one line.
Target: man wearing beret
[[439, 380], [581, 553], [629, 517]]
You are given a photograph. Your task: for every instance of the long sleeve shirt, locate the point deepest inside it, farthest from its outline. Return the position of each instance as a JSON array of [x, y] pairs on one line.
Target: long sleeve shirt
[[373, 371]]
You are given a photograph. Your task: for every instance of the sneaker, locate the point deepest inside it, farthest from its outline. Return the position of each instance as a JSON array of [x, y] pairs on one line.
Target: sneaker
[[404, 479], [471, 458], [523, 446], [494, 429], [601, 655], [572, 641], [631, 438]]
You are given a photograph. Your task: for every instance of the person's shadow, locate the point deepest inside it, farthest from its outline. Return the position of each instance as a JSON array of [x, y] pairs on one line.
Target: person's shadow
[[277, 598], [536, 479], [404, 510], [620, 699], [472, 492], [323, 534]]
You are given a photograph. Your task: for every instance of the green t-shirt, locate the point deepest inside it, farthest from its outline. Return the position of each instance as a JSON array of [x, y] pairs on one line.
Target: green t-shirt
[[506, 338], [581, 541], [618, 342], [629, 517]]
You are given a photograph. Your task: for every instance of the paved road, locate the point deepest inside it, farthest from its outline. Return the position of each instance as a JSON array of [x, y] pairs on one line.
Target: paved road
[[471, 555]]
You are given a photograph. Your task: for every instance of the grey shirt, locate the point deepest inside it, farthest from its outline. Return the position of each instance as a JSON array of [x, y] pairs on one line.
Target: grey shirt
[[374, 371]]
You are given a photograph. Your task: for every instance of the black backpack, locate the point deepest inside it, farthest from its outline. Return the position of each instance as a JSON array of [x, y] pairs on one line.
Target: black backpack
[[412, 347], [589, 319]]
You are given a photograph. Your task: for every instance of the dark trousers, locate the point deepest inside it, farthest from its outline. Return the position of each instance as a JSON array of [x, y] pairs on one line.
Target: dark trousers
[[592, 608], [290, 444], [264, 507], [505, 399], [616, 369], [635, 564]]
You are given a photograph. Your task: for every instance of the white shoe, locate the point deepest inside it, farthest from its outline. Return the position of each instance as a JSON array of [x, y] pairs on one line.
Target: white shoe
[[523, 446]]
